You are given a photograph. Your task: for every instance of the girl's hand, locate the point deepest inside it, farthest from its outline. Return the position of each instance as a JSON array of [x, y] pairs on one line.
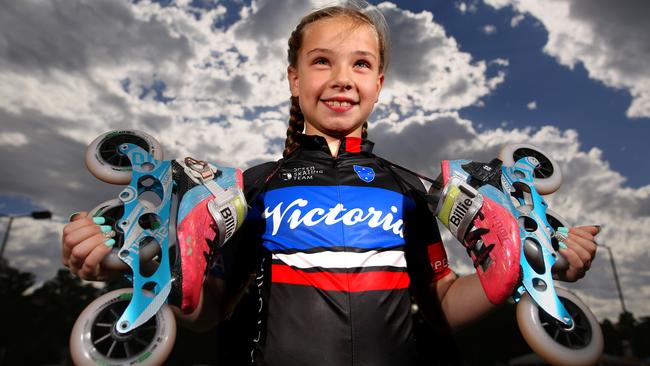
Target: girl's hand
[[579, 252], [85, 242]]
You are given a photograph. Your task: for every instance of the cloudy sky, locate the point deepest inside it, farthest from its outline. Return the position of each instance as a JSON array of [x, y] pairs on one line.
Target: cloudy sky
[[207, 78]]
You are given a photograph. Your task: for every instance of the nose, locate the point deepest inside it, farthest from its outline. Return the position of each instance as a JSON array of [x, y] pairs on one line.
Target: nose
[[341, 79]]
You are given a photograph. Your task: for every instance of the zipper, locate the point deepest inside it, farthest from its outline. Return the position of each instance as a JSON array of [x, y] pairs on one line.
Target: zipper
[[336, 165]]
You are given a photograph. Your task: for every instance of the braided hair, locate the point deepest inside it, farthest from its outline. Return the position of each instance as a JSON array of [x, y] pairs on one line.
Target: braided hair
[[358, 11]]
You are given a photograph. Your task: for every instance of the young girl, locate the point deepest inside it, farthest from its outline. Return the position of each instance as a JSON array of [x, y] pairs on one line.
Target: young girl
[[340, 244]]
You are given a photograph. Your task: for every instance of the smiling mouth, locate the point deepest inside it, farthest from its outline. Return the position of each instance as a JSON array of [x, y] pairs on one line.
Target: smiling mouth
[[338, 103]]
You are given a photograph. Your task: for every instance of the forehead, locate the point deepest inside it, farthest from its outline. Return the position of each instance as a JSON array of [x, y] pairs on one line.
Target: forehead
[[340, 33]]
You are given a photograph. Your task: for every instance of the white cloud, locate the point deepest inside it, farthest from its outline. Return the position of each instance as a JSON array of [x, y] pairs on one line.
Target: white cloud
[[98, 83], [28, 237], [432, 73], [514, 22], [465, 7], [609, 38], [273, 20], [500, 62], [532, 105], [489, 29], [12, 139]]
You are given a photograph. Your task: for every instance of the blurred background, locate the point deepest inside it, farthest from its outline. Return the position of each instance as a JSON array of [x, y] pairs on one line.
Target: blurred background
[[208, 79]]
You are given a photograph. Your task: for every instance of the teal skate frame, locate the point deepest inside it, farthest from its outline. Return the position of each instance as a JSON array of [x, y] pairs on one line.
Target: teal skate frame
[[537, 253], [149, 292]]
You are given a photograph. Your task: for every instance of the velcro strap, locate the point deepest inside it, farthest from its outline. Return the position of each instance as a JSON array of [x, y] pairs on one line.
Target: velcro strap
[[460, 204]]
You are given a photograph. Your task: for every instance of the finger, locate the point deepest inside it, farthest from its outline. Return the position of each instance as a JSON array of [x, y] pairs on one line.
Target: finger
[[82, 233], [67, 228], [78, 223], [572, 244], [80, 252], [589, 245], [72, 239], [586, 231], [77, 215], [575, 264], [584, 255], [91, 267]]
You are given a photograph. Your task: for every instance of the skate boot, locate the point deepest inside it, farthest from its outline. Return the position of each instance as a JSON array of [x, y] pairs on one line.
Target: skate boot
[[167, 222], [496, 210], [486, 228], [212, 206]]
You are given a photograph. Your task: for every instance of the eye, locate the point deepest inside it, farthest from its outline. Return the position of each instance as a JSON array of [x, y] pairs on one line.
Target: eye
[[362, 63], [321, 61]]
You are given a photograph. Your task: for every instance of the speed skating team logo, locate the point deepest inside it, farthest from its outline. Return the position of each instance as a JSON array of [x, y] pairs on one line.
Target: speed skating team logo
[[366, 174]]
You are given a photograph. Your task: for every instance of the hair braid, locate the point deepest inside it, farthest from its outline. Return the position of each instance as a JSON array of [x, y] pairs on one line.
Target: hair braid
[[296, 127]]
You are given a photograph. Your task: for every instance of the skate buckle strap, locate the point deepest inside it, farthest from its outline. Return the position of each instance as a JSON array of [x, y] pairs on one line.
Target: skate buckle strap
[[227, 208], [199, 169], [459, 206], [482, 173]]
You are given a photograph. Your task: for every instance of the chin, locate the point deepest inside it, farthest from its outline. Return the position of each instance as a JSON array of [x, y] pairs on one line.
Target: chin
[[343, 128], [339, 132], [337, 129]]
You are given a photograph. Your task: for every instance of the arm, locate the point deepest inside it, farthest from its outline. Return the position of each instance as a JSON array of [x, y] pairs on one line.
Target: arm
[[462, 299]]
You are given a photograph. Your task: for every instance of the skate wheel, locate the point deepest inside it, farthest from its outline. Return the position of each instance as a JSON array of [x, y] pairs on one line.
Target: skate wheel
[[105, 162], [580, 345], [547, 175], [112, 211], [555, 221], [95, 341]]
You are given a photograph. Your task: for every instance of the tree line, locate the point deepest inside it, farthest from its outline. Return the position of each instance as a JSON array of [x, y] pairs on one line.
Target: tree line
[[37, 322]]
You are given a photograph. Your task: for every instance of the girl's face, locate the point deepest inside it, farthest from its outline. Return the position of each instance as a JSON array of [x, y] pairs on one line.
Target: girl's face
[[337, 76]]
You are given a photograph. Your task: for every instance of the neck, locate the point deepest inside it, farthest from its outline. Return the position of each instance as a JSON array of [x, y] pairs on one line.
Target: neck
[[333, 142]]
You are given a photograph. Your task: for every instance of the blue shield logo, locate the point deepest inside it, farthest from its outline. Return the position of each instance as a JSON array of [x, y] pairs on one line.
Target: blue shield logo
[[365, 174]]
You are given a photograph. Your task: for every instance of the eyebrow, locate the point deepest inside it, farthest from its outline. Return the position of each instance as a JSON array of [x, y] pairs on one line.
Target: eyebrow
[[359, 53]]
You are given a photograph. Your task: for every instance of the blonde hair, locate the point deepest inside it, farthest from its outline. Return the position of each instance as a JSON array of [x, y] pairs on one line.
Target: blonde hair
[[359, 12]]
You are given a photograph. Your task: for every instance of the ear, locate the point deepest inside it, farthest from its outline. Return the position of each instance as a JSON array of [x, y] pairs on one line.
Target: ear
[[380, 84], [292, 77]]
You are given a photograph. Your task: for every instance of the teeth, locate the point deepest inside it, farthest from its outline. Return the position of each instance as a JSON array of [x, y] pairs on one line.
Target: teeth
[[335, 103]]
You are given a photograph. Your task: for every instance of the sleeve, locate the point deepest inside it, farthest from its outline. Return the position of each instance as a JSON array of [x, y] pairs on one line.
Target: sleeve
[[426, 255], [430, 246], [438, 260]]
